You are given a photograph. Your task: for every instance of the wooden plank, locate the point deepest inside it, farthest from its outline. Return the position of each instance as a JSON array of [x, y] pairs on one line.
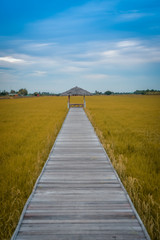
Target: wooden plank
[[81, 237], [78, 194]]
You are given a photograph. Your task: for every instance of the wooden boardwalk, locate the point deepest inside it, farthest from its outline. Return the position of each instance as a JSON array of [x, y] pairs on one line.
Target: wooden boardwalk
[[78, 195]]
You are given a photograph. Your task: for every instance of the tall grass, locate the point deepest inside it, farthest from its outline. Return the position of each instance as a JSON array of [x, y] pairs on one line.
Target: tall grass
[[28, 130], [127, 125], [129, 128]]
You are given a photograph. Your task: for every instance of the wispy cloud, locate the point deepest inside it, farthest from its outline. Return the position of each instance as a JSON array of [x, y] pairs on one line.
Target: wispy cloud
[[92, 60], [73, 23], [97, 77], [127, 43], [133, 15], [39, 73], [11, 59]]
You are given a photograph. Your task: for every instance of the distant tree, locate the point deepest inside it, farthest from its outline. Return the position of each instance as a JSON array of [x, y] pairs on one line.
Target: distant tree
[[12, 91], [23, 91], [4, 93], [98, 93], [139, 92], [36, 93], [108, 93]]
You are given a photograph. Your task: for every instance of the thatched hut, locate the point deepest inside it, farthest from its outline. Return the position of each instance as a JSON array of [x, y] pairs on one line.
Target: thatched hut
[[76, 91]]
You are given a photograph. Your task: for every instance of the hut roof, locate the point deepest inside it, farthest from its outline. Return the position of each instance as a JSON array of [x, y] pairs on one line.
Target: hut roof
[[76, 91]]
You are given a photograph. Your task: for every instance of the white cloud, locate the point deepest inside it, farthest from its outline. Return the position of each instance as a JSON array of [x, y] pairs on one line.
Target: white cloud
[[85, 57], [70, 68], [35, 46], [110, 53], [11, 59], [92, 62], [128, 43], [39, 73], [41, 45]]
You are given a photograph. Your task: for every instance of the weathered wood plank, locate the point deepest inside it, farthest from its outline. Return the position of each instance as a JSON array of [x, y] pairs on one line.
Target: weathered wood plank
[[80, 237]]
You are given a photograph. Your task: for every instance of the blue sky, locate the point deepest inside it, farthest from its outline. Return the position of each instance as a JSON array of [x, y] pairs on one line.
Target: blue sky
[[97, 45]]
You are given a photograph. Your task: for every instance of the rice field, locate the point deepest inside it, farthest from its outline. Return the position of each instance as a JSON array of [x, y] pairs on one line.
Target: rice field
[[28, 130], [129, 128]]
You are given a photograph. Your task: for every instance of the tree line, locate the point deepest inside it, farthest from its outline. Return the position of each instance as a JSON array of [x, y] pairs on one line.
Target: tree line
[[24, 92], [142, 92], [20, 92], [147, 92]]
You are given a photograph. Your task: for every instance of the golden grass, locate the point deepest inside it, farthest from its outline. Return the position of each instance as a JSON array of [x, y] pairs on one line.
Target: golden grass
[[28, 130], [129, 128]]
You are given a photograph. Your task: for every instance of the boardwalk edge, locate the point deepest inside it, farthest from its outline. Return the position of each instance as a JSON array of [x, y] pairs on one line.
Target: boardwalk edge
[[35, 187], [128, 197]]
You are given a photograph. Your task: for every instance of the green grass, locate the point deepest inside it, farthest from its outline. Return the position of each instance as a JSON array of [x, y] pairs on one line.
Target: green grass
[[129, 128], [28, 130]]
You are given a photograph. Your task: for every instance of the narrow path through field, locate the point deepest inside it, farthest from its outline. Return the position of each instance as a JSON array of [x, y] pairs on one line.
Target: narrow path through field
[[78, 195]]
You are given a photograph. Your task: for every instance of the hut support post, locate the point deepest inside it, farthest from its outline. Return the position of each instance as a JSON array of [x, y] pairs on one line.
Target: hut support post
[[84, 101], [68, 101]]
